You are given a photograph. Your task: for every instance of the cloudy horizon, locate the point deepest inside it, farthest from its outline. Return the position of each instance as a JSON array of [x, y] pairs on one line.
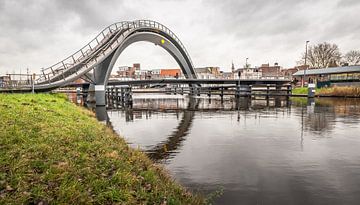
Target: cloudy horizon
[[39, 33]]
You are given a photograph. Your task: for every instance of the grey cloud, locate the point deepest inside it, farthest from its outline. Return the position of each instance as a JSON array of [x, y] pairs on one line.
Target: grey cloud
[[258, 17], [37, 33], [52, 15], [348, 3]]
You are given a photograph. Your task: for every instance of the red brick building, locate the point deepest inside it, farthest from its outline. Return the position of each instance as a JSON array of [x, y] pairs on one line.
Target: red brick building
[[270, 71], [170, 73]]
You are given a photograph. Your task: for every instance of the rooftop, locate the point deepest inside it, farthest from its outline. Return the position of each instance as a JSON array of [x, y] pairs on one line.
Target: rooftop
[[333, 70]]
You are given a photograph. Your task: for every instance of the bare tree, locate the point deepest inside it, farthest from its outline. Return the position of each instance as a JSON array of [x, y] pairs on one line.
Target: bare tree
[[352, 58], [322, 55]]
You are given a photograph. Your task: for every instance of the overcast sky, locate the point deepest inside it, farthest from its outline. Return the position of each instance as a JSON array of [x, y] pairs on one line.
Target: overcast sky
[[39, 33]]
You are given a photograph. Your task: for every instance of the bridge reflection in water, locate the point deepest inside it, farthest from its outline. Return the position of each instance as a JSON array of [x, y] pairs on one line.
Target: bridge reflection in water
[[186, 109]]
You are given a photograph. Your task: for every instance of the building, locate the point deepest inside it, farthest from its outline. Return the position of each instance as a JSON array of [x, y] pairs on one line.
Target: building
[[288, 73], [170, 73], [155, 74], [128, 72], [227, 75], [4, 81], [247, 73], [142, 74], [208, 73], [136, 66], [165, 73], [125, 72], [338, 76], [270, 72]]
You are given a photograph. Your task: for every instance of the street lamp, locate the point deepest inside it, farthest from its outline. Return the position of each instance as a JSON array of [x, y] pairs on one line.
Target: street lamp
[[306, 44], [246, 65]]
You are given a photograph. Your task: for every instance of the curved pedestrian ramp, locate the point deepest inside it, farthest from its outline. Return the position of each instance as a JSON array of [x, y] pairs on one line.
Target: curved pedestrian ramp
[[96, 59]]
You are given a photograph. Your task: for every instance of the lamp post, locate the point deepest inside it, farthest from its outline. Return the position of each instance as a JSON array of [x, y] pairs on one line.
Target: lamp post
[[306, 44], [246, 65], [33, 83]]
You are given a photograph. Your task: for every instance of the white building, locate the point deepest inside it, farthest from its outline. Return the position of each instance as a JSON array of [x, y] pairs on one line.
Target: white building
[[248, 73]]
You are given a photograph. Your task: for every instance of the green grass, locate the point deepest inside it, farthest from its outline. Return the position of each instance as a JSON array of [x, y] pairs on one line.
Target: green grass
[[52, 151], [340, 91], [298, 91], [331, 91]]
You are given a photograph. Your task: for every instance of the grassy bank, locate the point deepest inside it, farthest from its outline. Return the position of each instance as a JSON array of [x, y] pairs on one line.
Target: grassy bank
[[52, 151], [332, 91]]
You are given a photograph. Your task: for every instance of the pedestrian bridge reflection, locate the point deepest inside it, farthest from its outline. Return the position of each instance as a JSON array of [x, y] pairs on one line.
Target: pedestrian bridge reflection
[[187, 109]]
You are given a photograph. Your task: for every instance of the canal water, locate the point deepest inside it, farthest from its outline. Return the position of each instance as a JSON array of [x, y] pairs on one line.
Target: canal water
[[251, 151]]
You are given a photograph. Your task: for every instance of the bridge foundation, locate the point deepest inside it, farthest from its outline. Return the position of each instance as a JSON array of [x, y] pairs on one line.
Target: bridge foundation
[[100, 95], [96, 94]]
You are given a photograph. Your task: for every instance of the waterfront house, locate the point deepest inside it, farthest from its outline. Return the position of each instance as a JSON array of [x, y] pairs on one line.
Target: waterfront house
[[338, 76]]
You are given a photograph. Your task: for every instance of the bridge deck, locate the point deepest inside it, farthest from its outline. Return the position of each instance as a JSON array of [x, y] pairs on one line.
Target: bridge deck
[[202, 81], [170, 81]]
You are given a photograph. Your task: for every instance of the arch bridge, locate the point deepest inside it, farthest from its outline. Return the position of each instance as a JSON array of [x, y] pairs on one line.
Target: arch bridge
[[94, 62]]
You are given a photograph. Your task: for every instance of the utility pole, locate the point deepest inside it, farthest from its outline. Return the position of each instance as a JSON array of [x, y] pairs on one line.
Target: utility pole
[[238, 86], [305, 69]]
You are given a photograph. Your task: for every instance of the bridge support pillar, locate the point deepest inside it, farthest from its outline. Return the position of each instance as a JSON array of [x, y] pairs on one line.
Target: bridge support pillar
[[100, 95]]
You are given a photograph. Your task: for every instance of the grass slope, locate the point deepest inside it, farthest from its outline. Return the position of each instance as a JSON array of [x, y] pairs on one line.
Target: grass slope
[[52, 151]]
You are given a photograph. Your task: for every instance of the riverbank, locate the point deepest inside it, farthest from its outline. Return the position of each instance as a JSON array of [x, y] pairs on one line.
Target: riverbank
[[52, 151], [330, 92]]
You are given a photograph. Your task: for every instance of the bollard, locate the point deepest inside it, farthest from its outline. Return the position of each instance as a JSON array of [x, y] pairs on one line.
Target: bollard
[[78, 95], [237, 91], [311, 90], [289, 90]]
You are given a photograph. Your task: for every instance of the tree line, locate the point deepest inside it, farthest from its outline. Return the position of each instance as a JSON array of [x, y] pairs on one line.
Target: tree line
[[324, 55]]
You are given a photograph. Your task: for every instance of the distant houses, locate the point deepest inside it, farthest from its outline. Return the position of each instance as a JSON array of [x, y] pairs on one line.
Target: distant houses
[[265, 71], [134, 72], [339, 76]]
